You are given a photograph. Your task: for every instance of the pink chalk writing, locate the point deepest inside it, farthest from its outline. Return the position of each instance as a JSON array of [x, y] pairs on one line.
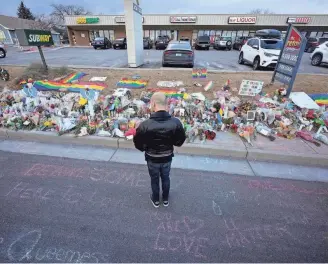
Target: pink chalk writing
[[237, 237], [68, 194], [116, 176], [179, 234], [268, 185]]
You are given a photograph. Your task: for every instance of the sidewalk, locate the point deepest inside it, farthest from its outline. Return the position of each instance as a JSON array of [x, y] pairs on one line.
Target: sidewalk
[[225, 145]]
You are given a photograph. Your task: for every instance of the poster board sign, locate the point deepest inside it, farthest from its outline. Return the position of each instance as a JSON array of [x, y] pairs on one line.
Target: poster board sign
[[250, 88], [33, 37], [290, 58]]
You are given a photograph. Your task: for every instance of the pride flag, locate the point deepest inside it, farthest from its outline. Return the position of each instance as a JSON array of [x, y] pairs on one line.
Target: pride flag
[[132, 84], [69, 87], [320, 99], [73, 77], [199, 73], [168, 92]]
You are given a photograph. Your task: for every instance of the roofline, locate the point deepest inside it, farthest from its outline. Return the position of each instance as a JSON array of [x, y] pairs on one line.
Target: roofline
[[207, 15], [4, 27]]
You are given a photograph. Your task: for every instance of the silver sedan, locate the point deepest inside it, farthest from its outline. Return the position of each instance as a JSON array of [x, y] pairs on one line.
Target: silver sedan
[[178, 53]]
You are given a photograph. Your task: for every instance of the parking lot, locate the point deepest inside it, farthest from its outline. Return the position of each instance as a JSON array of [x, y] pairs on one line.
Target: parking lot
[[74, 56]]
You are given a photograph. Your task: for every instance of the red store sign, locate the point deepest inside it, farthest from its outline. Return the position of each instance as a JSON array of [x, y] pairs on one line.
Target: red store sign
[[242, 20], [299, 20]]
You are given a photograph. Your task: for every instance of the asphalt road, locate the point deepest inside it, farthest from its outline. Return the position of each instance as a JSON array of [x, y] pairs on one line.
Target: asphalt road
[[66, 210], [213, 59]]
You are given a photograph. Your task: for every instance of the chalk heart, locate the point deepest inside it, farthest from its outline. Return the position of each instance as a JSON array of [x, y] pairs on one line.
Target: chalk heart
[[193, 225]]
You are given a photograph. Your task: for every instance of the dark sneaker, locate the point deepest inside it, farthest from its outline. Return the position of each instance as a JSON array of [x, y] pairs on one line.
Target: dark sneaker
[[166, 203], [155, 203]]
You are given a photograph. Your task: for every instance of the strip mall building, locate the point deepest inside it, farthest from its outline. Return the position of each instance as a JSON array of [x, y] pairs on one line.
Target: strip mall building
[[82, 30]]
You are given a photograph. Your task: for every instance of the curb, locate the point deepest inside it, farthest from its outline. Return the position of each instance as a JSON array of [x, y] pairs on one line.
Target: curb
[[188, 149], [302, 159], [156, 69]]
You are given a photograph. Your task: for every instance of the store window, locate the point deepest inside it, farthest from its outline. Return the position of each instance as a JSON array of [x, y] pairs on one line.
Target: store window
[[101, 33], [251, 33], [158, 33], [111, 34], [245, 33], [313, 34], [218, 33], [106, 34], [152, 35], [200, 33], [146, 33], [240, 33], [91, 35], [206, 32], [319, 35], [234, 35], [325, 35]]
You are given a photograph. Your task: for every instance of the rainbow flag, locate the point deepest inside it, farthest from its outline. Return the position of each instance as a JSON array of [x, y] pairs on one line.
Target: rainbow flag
[[320, 99], [168, 92], [199, 73], [73, 77], [132, 84], [68, 87]]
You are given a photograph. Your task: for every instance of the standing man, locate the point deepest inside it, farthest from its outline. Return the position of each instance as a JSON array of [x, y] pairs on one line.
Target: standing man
[[157, 136]]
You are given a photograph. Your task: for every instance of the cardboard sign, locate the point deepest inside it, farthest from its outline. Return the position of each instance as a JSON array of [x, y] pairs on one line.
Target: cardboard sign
[[250, 88]]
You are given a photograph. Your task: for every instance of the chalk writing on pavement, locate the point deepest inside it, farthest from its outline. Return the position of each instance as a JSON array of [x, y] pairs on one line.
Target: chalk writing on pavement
[[28, 247]]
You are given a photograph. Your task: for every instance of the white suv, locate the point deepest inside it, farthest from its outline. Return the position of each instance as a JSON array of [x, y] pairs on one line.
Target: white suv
[[320, 55], [261, 52]]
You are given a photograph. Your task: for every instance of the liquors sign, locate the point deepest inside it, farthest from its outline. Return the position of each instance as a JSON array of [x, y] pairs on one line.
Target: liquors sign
[[242, 20]]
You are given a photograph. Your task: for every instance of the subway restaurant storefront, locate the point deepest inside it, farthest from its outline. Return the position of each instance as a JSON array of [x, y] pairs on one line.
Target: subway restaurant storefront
[[83, 29]]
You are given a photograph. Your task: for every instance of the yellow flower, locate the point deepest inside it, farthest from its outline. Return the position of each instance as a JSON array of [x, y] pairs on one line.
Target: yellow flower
[[47, 124], [82, 101]]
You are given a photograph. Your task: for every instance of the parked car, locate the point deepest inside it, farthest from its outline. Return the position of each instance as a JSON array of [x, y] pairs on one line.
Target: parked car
[[320, 55], [102, 42], [223, 43], [312, 43], [261, 52], [178, 53], [203, 42], [239, 42], [162, 42], [3, 51], [147, 43], [120, 43]]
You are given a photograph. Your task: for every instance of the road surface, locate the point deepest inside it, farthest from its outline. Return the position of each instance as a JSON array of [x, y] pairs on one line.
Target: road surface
[[57, 209], [212, 59]]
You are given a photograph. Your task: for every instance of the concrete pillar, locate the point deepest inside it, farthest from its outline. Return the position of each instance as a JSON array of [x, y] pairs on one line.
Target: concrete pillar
[[134, 33]]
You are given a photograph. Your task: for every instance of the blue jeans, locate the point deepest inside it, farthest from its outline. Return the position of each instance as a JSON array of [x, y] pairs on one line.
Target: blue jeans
[[157, 170]]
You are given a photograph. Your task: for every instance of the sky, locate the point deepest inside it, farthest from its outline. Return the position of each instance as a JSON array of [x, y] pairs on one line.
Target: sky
[[178, 6]]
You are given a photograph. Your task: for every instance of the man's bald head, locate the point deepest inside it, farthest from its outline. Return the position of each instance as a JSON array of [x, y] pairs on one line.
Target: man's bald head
[[158, 102]]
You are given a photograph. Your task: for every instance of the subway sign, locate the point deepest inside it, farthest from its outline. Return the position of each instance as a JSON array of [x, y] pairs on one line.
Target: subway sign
[[87, 20], [31, 37]]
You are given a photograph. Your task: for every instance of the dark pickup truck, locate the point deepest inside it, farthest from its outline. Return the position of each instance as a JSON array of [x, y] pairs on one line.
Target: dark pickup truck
[[203, 42]]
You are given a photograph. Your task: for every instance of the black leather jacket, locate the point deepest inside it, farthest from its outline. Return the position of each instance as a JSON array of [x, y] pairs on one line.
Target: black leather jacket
[[157, 136]]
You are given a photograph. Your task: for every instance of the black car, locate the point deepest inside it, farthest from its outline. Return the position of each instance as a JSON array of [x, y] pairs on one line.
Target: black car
[[162, 42], [103, 43], [120, 43], [147, 43], [312, 43], [239, 42], [178, 53], [203, 42]]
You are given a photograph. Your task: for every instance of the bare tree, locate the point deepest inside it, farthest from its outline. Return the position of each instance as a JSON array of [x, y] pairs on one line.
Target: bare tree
[[60, 11], [44, 22], [259, 11]]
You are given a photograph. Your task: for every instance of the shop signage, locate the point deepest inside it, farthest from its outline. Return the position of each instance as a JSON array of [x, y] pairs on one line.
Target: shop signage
[[242, 20], [137, 8], [31, 37], [121, 19], [87, 20], [250, 88], [299, 20], [183, 19], [290, 58]]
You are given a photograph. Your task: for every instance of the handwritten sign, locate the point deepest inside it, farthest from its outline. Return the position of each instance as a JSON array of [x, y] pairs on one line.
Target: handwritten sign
[[250, 88]]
